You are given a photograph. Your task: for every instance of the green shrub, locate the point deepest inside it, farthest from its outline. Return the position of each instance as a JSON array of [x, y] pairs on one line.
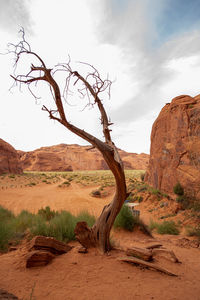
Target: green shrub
[[23, 221], [178, 189], [6, 233], [39, 226], [96, 193], [85, 216], [193, 231], [62, 226], [184, 201], [125, 219], [167, 227], [5, 214], [47, 213]]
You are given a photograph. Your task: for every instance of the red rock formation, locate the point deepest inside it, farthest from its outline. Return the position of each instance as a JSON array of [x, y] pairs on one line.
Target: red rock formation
[[175, 147], [9, 159], [74, 157]]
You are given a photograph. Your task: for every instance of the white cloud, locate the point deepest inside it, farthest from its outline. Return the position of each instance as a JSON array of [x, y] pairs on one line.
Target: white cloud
[[121, 40]]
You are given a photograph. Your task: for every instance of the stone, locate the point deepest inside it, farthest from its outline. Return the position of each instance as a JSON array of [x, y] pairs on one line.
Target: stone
[[9, 159], [175, 147], [49, 244], [38, 258]]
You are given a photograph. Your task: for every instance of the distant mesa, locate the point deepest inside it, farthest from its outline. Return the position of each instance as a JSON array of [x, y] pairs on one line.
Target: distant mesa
[[65, 157], [175, 147], [62, 158]]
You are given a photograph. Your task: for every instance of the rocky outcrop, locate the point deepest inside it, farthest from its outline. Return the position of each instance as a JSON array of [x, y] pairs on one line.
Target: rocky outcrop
[[175, 147], [74, 157], [9, 159]]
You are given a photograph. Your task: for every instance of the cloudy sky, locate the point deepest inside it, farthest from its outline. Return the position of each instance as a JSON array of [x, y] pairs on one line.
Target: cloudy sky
[[149, 48]]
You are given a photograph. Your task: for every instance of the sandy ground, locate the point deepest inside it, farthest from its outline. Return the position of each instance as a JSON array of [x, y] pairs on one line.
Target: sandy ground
[[92, 275]]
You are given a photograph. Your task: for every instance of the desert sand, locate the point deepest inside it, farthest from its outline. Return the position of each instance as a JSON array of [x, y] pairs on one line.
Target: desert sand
[[93, 275]]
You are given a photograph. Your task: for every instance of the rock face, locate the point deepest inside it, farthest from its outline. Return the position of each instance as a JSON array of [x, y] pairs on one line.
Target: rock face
[[9, 159], [74, 157], [175, 147]]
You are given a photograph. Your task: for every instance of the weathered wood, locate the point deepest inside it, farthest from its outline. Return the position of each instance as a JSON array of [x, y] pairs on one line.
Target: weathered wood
[[82, 250], [4, 295], [38, 258], [168, 252], [145, 264], [49, 244], [140, 253], [84, 235], [153, 246]]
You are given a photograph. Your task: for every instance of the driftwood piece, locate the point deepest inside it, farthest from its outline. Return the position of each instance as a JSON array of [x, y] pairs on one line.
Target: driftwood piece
[[140, 253], [4, 295], [38, 258], [145, 264], [49, 244], [153, 246], [168, 252]]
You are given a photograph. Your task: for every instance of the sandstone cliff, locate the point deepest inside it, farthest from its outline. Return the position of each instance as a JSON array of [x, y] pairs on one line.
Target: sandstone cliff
[[9, 159], [74, 157], [175, 147]]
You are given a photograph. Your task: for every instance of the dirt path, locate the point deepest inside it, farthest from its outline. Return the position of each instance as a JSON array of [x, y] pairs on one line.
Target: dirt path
[[93, 276], [74, 198]]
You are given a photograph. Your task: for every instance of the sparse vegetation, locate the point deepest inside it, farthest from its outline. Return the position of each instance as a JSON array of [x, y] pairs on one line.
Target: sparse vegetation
[[178, 189], [166, 227], [193, 231], [126, 220], [46, 222]]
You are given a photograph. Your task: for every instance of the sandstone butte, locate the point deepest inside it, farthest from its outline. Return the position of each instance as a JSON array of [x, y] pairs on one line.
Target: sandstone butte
[[65, 157], [62, 158], [9, 159], [175, 147]]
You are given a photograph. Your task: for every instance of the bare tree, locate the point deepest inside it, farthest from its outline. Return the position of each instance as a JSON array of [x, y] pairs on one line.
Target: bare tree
[[90, 86]]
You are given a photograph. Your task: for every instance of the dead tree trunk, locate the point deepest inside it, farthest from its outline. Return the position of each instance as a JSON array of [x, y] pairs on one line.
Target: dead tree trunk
[[90, 86]]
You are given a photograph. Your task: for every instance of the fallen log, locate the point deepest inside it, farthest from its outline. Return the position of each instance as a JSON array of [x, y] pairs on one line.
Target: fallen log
[[145, 264], [153, 246], [49, 244], [168, 252], [38, 258], [140, 253]]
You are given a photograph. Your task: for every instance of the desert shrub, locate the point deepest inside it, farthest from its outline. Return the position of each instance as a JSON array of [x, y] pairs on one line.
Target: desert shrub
[[62, 226], [195, 206], [66, 183], [85, 216], [125, 219], [39, 226], [23, 221], [167, 227], [193, 231], [178, 189], [156, 192], [5, 214], [96, 193], [184, 201], [138, 198], [47, 213], [6, 233]]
